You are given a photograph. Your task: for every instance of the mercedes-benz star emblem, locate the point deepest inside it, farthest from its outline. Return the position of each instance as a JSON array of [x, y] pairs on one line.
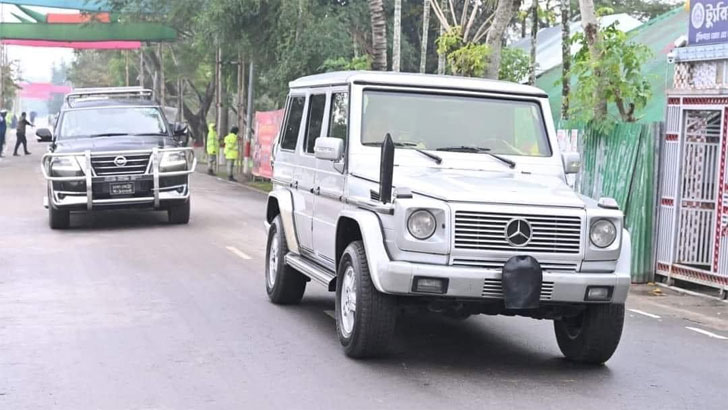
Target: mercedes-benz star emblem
[[120, 161], [518, 232]]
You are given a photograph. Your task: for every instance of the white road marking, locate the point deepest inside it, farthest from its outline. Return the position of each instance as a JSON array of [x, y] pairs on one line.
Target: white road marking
[[330, 313], [705, 332], [644, 313], [239, 252]]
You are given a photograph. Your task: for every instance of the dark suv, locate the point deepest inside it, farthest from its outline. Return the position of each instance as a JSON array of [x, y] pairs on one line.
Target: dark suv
[[113, 148]]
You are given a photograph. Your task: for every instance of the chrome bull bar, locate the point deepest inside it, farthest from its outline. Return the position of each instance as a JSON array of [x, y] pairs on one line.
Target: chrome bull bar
[[89, 173]]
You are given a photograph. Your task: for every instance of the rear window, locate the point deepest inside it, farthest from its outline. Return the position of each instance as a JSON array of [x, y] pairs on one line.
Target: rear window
[[293, 123]]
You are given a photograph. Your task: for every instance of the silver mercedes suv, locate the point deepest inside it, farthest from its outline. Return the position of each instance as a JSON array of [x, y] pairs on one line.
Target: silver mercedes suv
[[445, 194]]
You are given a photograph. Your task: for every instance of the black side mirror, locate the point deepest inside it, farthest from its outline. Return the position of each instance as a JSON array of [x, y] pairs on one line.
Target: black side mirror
[[180, 129], [44, 135]]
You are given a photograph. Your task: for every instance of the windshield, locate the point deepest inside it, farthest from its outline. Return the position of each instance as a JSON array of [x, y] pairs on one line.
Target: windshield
[[112, 121], [449, 122]]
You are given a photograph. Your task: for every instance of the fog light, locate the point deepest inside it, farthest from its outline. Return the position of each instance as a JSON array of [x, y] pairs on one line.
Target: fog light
[[598, 293], [429, 285]]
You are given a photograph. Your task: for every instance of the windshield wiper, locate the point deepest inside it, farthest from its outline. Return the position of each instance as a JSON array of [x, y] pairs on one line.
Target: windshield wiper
[[479, 150], [411, 145], [109, 134]]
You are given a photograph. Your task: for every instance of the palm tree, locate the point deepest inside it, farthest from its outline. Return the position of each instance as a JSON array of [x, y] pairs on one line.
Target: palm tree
[[396, 40], [425, 32], [591, 33], [565, 58], [379, 35], [534, 42]]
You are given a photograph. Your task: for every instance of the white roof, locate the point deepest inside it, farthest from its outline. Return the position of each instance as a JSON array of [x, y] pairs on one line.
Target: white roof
[[414, 80]]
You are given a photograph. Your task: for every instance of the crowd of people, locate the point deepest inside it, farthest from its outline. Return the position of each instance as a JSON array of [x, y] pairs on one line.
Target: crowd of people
[[9, 120]]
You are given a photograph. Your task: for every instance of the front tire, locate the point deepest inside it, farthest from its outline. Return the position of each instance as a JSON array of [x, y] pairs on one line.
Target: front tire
[[365, 318], [284, 285], [179, 214], [58, 218], [593, 335]]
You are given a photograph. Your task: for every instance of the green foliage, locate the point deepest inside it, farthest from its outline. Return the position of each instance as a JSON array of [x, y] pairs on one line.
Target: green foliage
[[466, 59], [619, 64], [342, 64], [515, 64]]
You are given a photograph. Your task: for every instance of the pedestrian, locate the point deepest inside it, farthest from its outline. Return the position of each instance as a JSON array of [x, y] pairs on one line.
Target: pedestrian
[[231, 151], [3, 130], [213, 147], [20, 135]]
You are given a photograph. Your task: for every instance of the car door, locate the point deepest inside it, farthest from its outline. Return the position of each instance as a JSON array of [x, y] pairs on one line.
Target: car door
[[330, 179], [305, 173]]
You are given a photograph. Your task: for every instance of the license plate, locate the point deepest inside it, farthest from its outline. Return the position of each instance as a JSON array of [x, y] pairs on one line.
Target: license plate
[[125, 188]]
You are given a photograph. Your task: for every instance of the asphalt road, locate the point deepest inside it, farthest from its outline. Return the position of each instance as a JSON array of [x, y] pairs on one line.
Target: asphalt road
[[126, 312]]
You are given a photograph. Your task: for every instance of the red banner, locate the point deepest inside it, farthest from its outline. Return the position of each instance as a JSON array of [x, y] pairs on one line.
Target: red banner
[[267, 124]]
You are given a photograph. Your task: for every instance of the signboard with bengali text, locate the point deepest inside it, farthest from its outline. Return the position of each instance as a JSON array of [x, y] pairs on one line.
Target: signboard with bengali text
[[708, 23], [267, 124]]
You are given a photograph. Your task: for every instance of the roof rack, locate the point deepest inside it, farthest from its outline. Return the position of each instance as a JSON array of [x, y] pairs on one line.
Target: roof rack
[[109, 92]]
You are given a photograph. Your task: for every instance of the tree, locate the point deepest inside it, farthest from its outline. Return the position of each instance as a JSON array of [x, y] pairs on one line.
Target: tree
[[501, 18], [397, 36], [619, 80], [565, 58], [534, 42], [425, 32], [379, 35], [515, 65], [591, 38]]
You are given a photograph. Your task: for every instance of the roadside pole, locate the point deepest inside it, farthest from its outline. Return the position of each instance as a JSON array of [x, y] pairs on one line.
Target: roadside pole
[[249, 120]]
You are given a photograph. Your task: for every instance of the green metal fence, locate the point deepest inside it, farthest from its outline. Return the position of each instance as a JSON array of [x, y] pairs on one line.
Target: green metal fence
[[621, 162]]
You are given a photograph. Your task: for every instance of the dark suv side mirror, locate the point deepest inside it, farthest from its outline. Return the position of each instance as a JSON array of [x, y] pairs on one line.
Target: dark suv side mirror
[[44, 135], [180, 129]]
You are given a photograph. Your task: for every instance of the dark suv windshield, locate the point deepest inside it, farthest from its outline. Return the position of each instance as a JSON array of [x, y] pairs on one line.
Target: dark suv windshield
[[112, 121], [455, 123]]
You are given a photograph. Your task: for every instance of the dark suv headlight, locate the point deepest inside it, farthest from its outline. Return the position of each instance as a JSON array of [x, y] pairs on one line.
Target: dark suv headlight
[[65, 166], [173, 161]]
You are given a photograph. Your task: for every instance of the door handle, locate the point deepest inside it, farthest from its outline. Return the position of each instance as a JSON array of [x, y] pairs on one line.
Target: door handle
[[316, 190]]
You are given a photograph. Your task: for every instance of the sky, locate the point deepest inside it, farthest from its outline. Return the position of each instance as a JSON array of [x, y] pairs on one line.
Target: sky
[[35, 62]]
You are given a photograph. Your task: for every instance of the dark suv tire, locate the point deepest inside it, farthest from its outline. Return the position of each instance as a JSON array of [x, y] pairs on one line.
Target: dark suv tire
[[365, 317], [179, 214], [58, 218], [285, 285], [593, 335]]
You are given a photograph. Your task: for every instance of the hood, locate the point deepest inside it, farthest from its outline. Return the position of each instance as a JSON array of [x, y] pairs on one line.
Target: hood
[[492, 187], [120, 143]]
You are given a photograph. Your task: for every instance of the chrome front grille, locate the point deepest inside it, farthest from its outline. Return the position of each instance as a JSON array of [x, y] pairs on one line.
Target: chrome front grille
[[554, 267], [493, 288], [487, 231], [109, 165]]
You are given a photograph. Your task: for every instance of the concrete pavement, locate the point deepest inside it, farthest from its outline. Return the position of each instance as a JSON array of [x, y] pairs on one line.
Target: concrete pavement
[[126, 312]]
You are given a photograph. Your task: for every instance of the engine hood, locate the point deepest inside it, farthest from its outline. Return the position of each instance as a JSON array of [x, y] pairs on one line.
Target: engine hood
[[492, 187], [116, 143]]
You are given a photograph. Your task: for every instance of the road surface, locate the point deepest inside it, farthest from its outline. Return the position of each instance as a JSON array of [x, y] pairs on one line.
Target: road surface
[[126, 312]]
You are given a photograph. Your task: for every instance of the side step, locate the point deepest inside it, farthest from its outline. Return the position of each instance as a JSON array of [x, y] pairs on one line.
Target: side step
[[312, 270]]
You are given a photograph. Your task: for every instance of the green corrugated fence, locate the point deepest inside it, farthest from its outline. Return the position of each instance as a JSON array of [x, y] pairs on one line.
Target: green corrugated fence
[[620, 162]]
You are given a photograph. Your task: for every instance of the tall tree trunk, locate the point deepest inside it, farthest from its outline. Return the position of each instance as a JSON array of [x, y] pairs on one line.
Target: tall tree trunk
[[425, 32], [441, 57], [565, 58], [397, 36], [494, 40], [591, 33], [534, 42], [379, 35]]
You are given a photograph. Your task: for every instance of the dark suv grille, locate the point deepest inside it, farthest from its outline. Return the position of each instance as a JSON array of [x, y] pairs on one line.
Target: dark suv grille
[[108, 164]]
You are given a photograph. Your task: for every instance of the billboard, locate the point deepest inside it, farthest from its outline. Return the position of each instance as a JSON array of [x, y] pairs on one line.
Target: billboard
[[708, 22], [267, 124]]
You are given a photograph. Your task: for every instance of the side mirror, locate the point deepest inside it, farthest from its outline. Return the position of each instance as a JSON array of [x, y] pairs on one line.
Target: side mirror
[[44, 135], [180, 129], [572, 162], [329, 149]]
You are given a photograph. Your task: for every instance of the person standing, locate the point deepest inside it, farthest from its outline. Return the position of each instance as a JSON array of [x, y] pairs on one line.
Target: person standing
[[231, 151], [20, 135], [3, 130], [213, 147]]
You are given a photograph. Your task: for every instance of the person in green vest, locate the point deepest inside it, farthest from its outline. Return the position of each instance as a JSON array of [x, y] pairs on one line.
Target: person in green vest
[[231, 151], [213, 147]]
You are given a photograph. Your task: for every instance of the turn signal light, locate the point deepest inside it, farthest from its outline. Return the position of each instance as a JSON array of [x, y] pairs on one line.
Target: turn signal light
[[598, 293], [429, 285]]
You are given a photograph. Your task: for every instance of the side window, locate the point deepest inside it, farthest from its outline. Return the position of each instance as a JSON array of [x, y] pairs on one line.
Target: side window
[[315, 120], [339, 119], [295, 114]]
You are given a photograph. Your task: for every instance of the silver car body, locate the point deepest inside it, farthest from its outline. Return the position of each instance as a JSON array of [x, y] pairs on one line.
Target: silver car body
[[319, 199]]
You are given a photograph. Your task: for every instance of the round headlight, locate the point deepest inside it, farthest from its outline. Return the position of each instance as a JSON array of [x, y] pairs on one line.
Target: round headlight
[[421, 224], [603, 233]]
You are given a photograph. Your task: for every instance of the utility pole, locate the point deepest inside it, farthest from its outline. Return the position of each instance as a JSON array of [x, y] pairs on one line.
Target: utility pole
[[141, 67], [251, 90], [162, 88], [241, 110], [2, 76], [126, 67]]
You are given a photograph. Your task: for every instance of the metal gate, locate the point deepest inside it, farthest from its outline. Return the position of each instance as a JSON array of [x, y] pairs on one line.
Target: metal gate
[[692, 240]]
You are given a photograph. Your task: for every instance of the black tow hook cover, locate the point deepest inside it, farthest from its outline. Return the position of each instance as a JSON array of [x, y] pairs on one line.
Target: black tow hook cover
[[522, 277]]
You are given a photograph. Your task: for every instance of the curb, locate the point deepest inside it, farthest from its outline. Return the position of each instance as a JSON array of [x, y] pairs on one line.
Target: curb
[[690, 292], [239, 184]]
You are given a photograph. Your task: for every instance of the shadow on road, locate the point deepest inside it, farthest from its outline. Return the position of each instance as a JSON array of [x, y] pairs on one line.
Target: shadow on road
[[116, 220]]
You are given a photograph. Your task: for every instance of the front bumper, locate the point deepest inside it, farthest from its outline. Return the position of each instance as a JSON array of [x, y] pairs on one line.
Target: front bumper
[[476, 283]]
